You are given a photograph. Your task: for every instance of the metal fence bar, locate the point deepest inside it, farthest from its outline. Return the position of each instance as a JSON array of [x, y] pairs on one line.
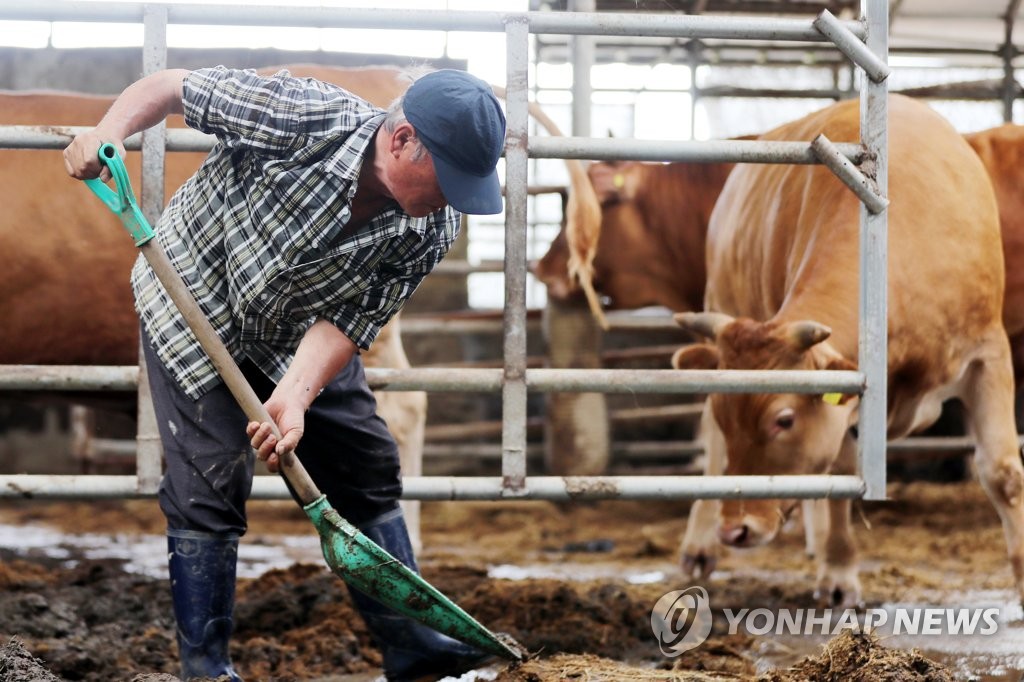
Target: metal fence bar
[[610, 149], [860, 184], [852, 46], [874, 259], [440, 488], [582, 51], [461, 379], [149, 452], [693, 151], [68, 378], [513, 431], [564, 23]]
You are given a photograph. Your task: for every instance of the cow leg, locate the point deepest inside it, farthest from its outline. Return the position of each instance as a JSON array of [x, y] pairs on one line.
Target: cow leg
[[815, 519], [990, 406], [700, 542], [838, 583], [410, 455]]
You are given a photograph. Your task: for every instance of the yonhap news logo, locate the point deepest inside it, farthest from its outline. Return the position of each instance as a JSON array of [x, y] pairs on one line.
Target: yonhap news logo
[[681, 620]]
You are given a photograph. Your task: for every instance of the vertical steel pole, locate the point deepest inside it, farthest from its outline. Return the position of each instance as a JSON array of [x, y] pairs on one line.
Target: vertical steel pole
[[148, 453], [582, 60], [513, 432], [1009, 51], [874, 256]]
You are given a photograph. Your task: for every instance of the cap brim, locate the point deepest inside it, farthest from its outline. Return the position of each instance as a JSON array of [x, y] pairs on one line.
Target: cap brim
[[468, 193]]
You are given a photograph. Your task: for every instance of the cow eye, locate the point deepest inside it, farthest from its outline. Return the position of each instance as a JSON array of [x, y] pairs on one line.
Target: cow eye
[[784, 420]]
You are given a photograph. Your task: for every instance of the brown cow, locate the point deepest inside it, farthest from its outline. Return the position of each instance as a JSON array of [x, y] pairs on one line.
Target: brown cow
[[783, 282], [1002, 151], [654, 219], [652, 224]]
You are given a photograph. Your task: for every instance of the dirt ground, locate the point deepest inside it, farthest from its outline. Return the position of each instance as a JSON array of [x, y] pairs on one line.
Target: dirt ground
[[575, 584]]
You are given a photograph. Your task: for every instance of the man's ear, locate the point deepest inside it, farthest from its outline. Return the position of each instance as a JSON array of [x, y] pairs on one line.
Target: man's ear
[[696, 356], [402, 135]]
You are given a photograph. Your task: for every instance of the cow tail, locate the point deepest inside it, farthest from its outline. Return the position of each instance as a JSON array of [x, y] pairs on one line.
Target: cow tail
[[582, 221]]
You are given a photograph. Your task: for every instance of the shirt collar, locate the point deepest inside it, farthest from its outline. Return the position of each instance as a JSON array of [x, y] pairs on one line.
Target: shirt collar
[[347, 161]]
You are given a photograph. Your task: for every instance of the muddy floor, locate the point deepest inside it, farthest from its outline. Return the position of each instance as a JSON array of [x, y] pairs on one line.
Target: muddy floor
[[84, 597]]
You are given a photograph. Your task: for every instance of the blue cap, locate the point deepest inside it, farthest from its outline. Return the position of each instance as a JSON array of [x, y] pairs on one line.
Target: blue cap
[[459, 121]]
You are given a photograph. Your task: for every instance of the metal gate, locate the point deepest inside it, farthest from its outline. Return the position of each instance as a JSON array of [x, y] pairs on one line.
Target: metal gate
[[865, 42]]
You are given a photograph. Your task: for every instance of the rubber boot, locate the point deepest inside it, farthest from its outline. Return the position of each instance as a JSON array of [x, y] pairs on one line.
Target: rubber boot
[[410, 650], [202, 569]]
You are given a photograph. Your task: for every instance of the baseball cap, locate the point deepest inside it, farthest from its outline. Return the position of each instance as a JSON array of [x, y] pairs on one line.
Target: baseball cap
[[459, 121]]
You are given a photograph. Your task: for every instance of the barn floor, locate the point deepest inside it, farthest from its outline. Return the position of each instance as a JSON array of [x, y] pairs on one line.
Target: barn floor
[[82, 591]]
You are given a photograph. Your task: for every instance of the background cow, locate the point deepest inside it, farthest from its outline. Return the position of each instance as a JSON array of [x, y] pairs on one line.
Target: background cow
[[1002, 151], [654, 217], [652, 226], [783, 282]]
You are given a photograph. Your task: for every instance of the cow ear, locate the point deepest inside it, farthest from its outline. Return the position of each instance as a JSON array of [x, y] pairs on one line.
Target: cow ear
[[708, 325], [838, 362], [609, 181], [696, 356]]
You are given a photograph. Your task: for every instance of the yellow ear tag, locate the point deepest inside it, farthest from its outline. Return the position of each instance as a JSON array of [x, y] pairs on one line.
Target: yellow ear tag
[[619, 180], [832, 398]]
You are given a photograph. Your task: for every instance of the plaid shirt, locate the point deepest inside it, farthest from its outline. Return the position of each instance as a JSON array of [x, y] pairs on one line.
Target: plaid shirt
[[255, 232]]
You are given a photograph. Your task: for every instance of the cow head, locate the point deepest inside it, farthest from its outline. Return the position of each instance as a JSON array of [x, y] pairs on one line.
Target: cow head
[[631, 267], [768, 434], [648, 238], [620, 226]]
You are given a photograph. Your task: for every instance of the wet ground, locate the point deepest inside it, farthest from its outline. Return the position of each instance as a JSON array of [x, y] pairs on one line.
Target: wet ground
[[84, 594]]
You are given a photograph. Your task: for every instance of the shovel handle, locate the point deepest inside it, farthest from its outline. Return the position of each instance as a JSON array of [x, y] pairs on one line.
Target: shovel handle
[[123, 203]]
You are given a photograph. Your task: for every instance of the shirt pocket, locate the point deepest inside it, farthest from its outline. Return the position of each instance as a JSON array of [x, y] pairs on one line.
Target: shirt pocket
[[341, 276]]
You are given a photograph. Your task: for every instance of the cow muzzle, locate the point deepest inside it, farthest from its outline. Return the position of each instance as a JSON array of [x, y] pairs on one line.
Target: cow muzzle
[[748, 529]]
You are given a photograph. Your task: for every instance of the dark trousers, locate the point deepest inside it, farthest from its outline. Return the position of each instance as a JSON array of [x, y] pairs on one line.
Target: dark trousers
[[346, 448]]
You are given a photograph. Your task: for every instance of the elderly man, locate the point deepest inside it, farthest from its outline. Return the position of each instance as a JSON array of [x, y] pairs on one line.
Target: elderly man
[[311, 222]]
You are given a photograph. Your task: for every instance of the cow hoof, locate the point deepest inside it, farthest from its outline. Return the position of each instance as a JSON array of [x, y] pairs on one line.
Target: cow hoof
[[838, 587], [699, 564], [700, 541]]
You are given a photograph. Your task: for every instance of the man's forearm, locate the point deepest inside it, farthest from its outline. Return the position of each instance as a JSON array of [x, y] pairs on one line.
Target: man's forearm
[[323, 352], [145, 103], [142, 105]]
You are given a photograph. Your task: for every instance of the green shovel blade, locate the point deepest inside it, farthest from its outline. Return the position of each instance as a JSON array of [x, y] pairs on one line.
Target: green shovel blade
[[367, 567]]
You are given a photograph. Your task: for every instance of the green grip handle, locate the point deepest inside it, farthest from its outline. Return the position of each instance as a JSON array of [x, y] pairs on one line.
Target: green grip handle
[[122, 202]]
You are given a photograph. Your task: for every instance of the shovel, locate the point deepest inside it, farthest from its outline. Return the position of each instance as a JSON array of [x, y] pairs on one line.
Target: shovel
[[351, 555]]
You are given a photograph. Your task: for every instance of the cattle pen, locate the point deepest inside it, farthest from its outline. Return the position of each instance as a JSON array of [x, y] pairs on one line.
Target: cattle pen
[[514, 379], [631, 562]]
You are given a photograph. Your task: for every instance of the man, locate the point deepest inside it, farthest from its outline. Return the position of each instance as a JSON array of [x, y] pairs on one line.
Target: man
[[311, 222]]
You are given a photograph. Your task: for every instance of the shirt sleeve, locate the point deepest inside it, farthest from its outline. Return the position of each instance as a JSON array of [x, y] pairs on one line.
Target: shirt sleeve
[[268, 114], [398, 278]]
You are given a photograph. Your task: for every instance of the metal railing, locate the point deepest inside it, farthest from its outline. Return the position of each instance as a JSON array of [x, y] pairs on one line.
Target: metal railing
[[865, 42]]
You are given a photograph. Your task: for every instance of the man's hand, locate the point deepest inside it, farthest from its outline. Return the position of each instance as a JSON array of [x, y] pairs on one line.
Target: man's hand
[[290, 419], [81, 157], [322, 353]]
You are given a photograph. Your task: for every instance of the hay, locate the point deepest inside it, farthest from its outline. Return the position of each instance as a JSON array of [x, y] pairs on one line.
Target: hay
[[857, 657]]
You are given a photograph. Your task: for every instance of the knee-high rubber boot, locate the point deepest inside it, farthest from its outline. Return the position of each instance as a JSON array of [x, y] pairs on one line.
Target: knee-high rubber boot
[[202, 569], [411, 651]]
